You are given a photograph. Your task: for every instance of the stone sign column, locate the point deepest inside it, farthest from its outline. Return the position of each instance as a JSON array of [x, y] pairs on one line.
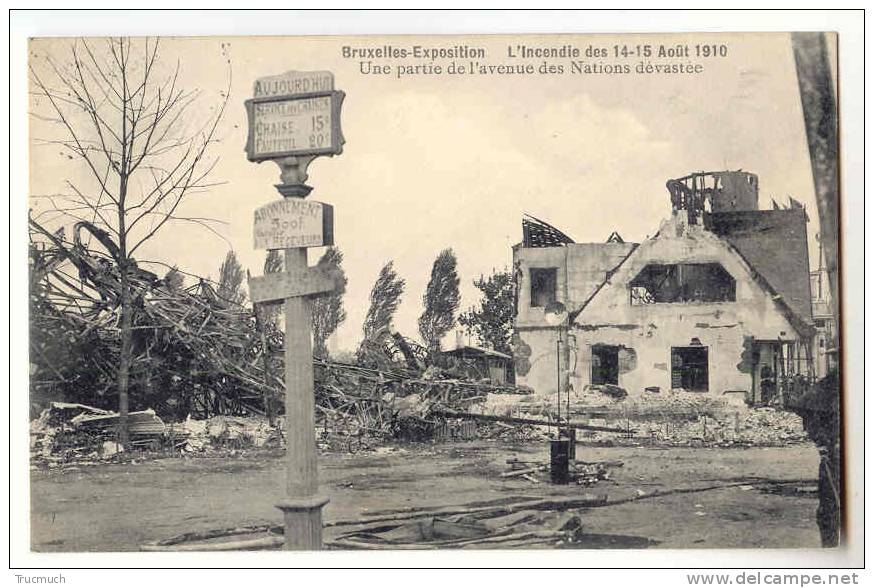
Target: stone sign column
[[294, 118]]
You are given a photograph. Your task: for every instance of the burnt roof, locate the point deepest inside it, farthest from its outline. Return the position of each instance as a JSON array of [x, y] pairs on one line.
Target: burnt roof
[[538, 233], [774, 244]]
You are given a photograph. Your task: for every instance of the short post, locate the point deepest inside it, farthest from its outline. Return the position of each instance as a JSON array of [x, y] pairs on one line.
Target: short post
[[294, 118]]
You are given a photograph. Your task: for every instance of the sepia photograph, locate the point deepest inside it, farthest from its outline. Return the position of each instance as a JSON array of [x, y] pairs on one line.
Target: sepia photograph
[[435, 292]]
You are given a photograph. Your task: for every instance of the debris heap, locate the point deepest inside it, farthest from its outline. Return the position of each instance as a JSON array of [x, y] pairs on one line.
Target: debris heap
[[195, 352]]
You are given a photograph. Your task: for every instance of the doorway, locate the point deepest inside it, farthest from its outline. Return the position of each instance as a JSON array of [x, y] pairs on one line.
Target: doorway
[[689, 368], [605, 365]]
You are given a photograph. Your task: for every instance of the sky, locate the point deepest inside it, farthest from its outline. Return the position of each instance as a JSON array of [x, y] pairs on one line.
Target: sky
[[441, 161]]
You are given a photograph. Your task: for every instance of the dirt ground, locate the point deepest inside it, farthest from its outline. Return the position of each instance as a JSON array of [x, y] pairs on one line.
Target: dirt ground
[[119, 507]]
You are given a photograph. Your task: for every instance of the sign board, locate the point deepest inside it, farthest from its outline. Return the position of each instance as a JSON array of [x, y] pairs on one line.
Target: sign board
[[296, 113], [294, 222], [279, 286], [292, 83], [294, 118]]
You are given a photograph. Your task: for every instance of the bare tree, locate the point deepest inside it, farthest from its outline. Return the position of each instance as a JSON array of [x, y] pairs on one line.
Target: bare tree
[[136, 147]]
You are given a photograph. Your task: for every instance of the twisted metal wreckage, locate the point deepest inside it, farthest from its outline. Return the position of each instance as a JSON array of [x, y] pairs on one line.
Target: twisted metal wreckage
[[199, 354]]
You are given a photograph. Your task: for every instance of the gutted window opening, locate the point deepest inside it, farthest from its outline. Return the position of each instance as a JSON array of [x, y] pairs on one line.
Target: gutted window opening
[[682, 282], [605, 365], [785, 371], [689, 368], [543, 286]]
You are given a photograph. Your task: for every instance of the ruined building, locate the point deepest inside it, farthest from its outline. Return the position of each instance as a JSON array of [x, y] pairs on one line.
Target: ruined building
[[825, 342], [718, 301]]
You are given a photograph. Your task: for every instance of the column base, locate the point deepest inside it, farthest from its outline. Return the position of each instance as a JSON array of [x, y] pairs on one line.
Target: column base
[[300, 503], [303, 522]]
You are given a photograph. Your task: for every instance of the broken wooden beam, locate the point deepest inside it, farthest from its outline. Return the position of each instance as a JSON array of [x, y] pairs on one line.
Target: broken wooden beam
[[553, 503], [533, 470], [455, 414]]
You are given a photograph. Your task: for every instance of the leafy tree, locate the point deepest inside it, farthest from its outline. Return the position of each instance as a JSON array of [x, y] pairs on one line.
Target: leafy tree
[[134, 146], [385, 297], [328, 311], [492, 320], [173, 279], [271, 337], [441, 300], [273, 263], [230, 282]]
